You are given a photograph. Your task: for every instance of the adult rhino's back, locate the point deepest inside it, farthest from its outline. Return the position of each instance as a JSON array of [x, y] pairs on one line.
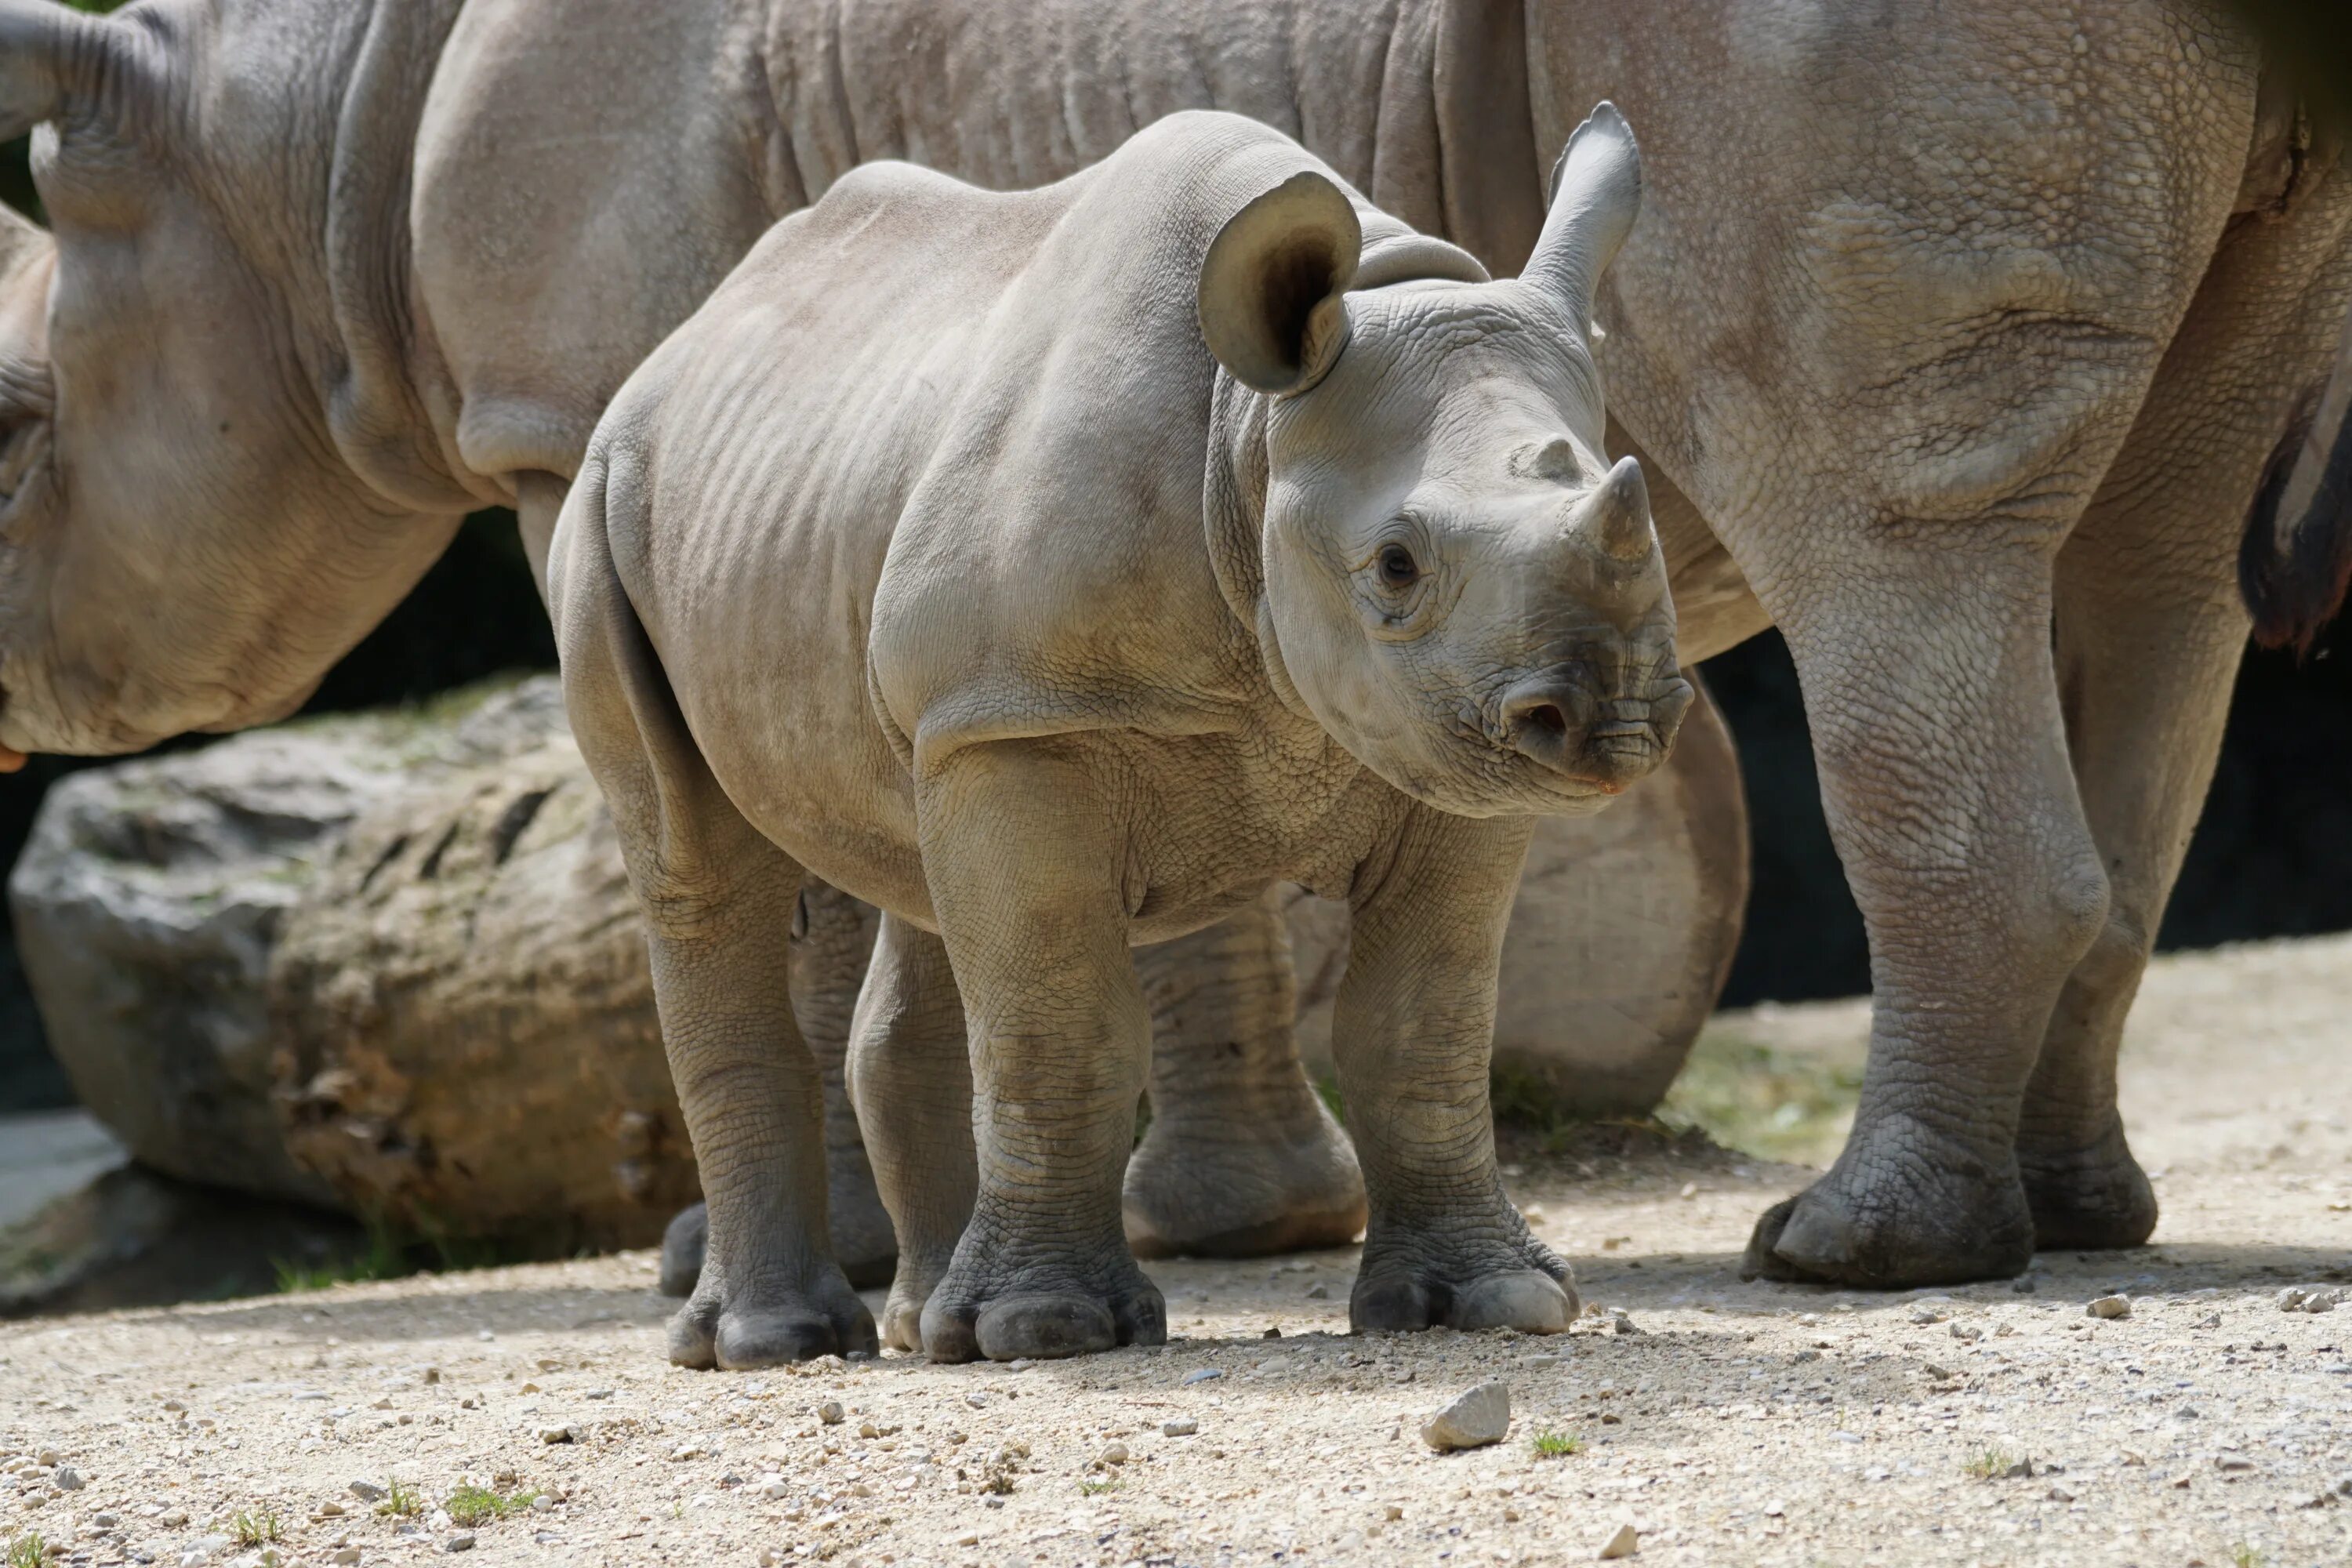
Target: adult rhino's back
[[589, 170]]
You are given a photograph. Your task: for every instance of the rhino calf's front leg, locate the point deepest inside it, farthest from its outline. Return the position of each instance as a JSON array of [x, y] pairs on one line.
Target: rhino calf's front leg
[[1412, 1034], [1025, 860]]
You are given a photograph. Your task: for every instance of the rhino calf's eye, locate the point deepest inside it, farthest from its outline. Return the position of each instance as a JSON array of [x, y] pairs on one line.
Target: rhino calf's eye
[[1397, 567]]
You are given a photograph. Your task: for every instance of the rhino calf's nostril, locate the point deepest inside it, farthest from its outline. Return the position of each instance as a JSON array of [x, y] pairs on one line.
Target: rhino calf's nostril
[[1548, 718]]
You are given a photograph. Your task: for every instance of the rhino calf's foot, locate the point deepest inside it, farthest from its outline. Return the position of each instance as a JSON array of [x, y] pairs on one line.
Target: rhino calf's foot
[[1275, 1188], [1461, 1275], [1002, 1311], [861, 1231], [1925, 1211], [770, 1323], [2087, 1199]]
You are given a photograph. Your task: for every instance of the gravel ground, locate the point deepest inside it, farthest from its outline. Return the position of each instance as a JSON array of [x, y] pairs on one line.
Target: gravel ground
[[1724, 1423]]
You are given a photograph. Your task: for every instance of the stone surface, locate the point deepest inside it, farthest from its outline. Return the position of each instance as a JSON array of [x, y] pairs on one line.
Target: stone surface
[[462, 1013], [1624, 1542], [2108, 1307], [1473, 1419]]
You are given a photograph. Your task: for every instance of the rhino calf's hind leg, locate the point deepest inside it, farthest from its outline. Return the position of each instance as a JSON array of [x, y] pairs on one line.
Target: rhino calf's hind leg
[[1411, 1033], [1027, 865], [910, 1068], [718, 899], [1241, 1158], [831, 933]]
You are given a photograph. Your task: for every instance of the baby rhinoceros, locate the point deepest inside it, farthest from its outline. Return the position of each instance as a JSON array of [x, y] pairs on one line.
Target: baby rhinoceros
[[1056, 570]]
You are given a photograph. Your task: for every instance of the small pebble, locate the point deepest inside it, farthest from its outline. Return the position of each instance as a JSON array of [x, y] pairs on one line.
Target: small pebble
[[1202, 1375], [1114, 1454], [463, 1540], [1624, 1542], [831, 1413], [2110, 1307], [345, 1555], [1182, 1426], [2059, 1494], [558, 1435], [1318, 1291], [1624, 1324], [67, 1479]]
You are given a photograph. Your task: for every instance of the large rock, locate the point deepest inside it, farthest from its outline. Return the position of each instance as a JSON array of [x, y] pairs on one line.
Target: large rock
[[462, 1013], [391, 963], [147, 904]]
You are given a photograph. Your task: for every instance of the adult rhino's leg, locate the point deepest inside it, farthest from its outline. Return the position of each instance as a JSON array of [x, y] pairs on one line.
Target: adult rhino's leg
[[910, 1069], [1241, 1158], [831, 935], [1926, 660], [1026, 864], [718, 899], [1411, 1031], [2150, 632]]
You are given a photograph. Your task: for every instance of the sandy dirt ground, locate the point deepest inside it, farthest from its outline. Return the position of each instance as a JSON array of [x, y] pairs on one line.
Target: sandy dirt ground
[[1738, 1424]]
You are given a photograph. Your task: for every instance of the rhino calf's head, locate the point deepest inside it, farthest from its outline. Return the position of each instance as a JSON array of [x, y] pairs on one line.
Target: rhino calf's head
[[1458, 585]]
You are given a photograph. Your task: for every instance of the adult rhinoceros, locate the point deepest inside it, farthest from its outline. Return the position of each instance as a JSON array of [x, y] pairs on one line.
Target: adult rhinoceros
[[1945, 327]]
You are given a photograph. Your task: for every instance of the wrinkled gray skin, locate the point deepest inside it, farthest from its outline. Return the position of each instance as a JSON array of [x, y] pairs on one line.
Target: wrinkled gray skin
[[239, 328], [937, 555], [1945, 327]]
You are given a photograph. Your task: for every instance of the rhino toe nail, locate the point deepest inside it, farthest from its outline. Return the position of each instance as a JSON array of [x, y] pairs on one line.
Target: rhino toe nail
[[1529, 1301], [1043, 1327]]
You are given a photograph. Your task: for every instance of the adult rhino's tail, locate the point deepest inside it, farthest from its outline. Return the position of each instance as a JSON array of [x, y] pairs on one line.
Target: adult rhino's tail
[[2296, 560]]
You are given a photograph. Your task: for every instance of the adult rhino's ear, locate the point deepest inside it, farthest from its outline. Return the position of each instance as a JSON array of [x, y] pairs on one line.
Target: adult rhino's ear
[[52, 58], [1596, 193], [1271, 288]]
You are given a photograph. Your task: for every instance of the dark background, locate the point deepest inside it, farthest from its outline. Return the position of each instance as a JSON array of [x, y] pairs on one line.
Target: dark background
[[2273, 855]]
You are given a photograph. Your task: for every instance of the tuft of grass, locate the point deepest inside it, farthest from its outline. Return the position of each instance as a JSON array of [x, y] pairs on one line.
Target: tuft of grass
[[471, 1505], [396, 1252], [1989, 1464], [1095, 1485], [401, 1500], [252, 1529], [1327, 1089], [28, 1551], [1551, 1445], [1777, 1104], [2244, 1555]]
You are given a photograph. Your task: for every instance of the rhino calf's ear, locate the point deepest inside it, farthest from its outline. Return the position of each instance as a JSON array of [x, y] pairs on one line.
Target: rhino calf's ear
[[1271, 287], [1596, 195], [50, 58]]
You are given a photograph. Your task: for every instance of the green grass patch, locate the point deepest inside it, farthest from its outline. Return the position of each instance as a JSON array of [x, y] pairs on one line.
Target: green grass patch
[[28, 1551], [470, 1506], [1776, 1104], [250, 1528], [401, 1500], [395, 1252], [2244, 1556], [1097, 1485], [1551, 1445], [1990, 1465]]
